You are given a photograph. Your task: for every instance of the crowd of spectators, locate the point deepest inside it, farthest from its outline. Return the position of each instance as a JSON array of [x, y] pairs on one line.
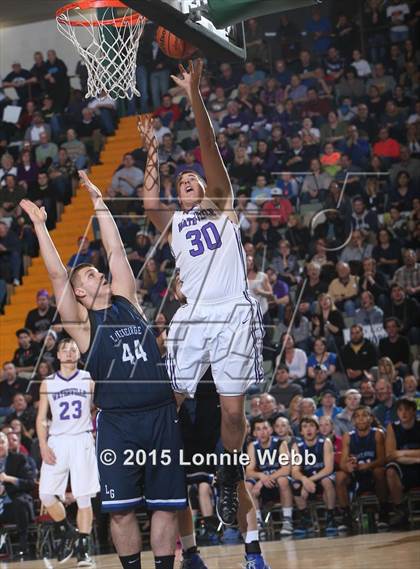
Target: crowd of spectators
[[58, 132], [325, 127]]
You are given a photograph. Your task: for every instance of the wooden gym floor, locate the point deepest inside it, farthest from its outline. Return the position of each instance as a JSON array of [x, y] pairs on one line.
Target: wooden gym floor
[[369, 551]]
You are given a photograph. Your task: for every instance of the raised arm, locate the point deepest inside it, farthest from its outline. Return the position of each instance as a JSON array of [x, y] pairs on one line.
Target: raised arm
[[219, 187], [158, 212], [73, 315], [123, 280]]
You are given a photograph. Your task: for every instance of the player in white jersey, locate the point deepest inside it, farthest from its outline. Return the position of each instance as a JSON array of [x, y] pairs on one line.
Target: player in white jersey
[[67, 448], [220, 325]]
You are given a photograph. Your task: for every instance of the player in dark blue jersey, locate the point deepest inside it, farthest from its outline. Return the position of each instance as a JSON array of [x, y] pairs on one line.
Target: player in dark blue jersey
[[315, 473], [362, 465], [138, 437], [267, 480], [402, 450]]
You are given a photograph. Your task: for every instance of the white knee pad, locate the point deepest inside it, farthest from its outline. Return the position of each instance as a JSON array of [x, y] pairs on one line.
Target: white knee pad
[[48, 499], [83, 502]]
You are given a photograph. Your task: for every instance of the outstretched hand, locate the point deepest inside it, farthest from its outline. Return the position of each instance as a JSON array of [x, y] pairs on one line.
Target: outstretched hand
[[37, 215], [93, 190], [189, 80], [147, 131]]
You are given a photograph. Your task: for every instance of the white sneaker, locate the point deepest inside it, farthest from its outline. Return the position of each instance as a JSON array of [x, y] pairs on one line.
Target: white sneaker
[[85, 561], [287, 527]]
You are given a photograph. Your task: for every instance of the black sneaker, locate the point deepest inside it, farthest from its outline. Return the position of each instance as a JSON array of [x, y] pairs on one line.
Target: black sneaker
[[400, 519], [304, 524], [192, 561], [208, 537], [383, 521], [331, 526], [66, 546], [82, 553], [227, 500], [346, 524]]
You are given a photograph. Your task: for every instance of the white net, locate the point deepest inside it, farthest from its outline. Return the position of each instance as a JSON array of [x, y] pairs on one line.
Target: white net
[[107, 40]]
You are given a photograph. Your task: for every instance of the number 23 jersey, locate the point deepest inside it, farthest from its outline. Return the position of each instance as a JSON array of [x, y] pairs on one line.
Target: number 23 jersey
[[70, 402], [209, 255]]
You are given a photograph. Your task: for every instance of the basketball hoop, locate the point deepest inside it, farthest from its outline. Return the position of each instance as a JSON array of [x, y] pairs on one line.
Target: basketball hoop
[[106, 34]]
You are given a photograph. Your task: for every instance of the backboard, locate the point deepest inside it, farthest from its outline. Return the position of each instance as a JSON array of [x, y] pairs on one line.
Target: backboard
[[187, 19]]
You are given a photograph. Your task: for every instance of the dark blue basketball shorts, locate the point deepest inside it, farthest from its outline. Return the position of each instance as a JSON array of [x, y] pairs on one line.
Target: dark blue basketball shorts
[[138, 459]]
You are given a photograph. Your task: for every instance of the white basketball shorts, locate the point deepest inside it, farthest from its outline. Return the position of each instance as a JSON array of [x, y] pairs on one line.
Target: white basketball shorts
[[75, 455], [226, 335]]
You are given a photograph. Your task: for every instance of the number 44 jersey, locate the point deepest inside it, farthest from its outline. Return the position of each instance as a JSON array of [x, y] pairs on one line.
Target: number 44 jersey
[[70, 402], [209, 255]]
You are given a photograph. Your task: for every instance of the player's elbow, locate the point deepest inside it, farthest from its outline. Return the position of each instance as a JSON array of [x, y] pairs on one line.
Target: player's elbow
[[151, 204], [58, 276]]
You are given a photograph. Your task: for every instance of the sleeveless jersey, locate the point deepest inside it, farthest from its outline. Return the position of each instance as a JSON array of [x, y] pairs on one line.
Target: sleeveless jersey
[[124, 359], [267, 459], [317, 449], [70, 402], [209, 255], [407, 439], [363, 448]]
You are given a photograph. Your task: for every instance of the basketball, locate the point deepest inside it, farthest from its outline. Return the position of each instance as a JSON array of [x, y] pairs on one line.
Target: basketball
[[172, 46]]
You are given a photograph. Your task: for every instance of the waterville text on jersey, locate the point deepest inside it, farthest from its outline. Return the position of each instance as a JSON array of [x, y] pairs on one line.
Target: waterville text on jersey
[[198, 215]]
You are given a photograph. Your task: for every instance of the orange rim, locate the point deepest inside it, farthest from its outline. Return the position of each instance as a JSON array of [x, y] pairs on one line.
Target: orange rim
[[89, 4]]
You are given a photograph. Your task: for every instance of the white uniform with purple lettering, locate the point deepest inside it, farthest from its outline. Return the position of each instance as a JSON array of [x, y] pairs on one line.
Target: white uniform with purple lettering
[[221, 323], [70, 437]]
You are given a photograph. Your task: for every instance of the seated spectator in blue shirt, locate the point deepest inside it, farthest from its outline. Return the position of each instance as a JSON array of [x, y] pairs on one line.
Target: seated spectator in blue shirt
[[190, 164], [281, 73], [84, 254], [296, 91], [386, 410], [253, 77], [261, 192], [126, 180], [319, 356], [227, 79], [358, 149], [260, 121], [368, 314], [328, 408]]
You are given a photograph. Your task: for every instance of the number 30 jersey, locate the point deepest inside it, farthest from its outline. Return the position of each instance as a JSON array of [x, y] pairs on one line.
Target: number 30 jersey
[[70, 402], [209, 255]]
